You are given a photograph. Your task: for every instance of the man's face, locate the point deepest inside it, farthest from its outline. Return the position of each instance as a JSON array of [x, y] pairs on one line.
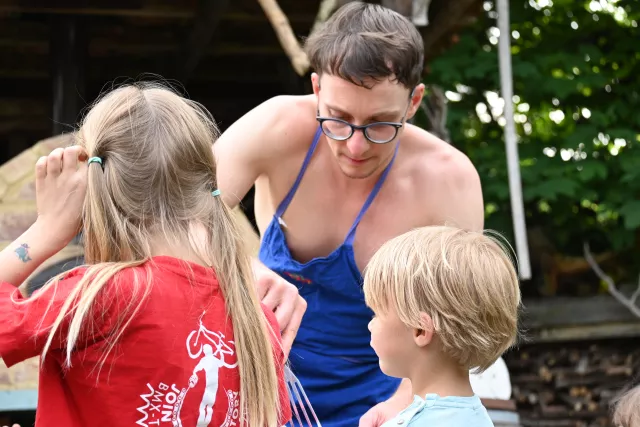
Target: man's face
[[386, 101]]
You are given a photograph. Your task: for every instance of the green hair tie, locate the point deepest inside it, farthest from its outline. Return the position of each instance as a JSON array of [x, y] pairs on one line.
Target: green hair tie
[[94, 160], [215, 193]]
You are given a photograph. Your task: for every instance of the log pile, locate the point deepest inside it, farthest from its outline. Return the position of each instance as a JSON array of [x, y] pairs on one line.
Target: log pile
[[571, 385]]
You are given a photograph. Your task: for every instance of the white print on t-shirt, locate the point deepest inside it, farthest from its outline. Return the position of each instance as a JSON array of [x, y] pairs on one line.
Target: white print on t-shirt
[[234, 409], [163, 404]]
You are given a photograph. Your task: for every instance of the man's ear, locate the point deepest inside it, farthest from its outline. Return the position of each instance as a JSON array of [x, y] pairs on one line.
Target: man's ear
[[416, 99], [424, 335], [315, 83]]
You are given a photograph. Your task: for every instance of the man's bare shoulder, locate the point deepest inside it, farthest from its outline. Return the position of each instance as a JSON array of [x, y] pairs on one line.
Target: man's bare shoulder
[[441, 173], [435, 158], [284, 121]]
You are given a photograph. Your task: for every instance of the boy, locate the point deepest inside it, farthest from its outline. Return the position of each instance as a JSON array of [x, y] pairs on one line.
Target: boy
[[627, 407], [446, 302]]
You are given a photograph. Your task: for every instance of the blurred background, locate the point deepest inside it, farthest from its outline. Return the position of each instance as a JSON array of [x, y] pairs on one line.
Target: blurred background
[[576, 84]]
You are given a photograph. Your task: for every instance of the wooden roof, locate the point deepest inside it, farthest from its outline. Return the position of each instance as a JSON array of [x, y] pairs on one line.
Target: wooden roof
[[226, 51]]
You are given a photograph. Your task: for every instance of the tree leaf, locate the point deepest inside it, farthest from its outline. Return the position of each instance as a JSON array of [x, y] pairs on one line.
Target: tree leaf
[[631, 213]]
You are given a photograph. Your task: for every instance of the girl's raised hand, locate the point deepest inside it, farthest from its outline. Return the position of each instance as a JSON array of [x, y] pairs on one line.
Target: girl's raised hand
[[61, 185]]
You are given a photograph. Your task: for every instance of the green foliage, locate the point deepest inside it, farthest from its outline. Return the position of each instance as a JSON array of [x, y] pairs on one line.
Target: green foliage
[[576, 67]]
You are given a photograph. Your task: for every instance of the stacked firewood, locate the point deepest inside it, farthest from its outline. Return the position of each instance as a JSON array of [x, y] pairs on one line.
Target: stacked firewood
[[571, 384]]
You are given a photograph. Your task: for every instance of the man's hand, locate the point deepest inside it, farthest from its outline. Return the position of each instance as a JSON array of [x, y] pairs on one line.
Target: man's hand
[[379, 414], [284, 300], [384, 411]]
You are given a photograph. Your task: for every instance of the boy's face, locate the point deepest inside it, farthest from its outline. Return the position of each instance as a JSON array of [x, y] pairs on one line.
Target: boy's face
[[394, 344]]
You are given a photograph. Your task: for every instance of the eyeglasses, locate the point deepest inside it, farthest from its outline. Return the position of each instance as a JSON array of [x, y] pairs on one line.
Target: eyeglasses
[[377, 132]]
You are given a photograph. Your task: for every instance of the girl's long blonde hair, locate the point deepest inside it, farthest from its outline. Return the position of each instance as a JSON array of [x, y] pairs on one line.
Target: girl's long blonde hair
[[156, 179]]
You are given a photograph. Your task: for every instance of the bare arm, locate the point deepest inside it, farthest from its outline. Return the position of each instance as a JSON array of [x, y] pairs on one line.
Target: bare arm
[[249, 149], [60, 190], [462, 203], [26, 254]]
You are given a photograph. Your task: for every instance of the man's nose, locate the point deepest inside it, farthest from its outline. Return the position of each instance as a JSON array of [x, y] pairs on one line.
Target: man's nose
[[357, 145]]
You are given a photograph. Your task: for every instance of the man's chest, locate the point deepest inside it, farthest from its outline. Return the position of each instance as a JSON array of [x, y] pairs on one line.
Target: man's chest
[[320, 219]]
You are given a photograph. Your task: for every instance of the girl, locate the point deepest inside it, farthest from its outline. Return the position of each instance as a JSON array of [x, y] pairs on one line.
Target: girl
[[163, 326]]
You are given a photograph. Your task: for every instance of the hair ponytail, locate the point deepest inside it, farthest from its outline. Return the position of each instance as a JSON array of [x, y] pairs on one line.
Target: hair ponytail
[[256, 362]]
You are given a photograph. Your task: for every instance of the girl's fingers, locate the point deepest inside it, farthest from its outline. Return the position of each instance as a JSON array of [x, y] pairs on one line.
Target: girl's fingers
[[70, 159], [41, 168], [54, 162], [73, 157]]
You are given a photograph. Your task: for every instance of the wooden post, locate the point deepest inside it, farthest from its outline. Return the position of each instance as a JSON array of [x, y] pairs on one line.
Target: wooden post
[[511, 141], [68, 51], [420, 13]]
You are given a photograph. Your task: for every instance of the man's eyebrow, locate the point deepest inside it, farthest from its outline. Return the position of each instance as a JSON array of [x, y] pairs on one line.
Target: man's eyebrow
[[382, 113]]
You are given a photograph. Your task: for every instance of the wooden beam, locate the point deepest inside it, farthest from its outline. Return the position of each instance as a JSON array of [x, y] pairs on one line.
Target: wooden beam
[[287, 39], [574, 318], [18, 124], [68, 48], [164, 13], [23, 107], [104, 47], [208, 16], [585, 333], [327, 7], [574, 311]]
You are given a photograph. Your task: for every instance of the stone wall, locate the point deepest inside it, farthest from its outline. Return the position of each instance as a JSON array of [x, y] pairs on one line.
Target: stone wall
[[17, 213]]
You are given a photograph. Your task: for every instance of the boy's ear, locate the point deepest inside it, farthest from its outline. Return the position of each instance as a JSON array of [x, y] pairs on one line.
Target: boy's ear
[[424, 335]]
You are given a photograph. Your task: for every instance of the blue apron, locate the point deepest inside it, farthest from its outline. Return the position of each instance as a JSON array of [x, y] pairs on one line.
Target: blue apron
[[331, 355]]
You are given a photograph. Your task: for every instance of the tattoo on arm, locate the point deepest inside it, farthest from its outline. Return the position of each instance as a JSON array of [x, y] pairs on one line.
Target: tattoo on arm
[[23, 252]]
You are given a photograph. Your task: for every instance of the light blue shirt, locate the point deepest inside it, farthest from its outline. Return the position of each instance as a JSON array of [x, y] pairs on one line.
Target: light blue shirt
[[436, 411]]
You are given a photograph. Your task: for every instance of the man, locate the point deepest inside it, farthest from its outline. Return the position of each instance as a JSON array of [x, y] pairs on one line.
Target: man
[[338, 173]]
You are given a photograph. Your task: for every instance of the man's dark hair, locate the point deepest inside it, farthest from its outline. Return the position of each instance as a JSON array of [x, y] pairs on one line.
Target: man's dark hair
[[364, 41]]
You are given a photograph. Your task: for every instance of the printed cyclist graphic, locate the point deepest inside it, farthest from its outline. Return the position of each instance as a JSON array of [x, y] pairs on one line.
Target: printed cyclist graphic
[[198, 339], [201, 344]]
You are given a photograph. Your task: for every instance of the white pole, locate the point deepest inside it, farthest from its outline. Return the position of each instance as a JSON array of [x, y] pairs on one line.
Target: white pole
[[511, 142]]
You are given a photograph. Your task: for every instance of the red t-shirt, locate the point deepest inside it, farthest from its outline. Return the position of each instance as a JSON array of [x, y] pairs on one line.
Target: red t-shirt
[[174, 365]]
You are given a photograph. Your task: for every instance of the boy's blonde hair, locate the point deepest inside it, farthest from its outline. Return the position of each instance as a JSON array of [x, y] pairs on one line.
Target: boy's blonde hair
[[464, 280], [156, 179], [627, 409]]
